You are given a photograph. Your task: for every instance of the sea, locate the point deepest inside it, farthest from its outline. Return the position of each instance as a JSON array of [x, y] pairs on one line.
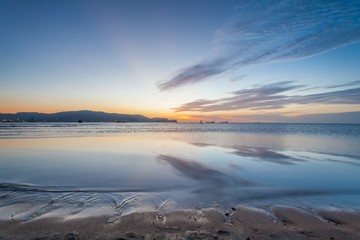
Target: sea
[[75, 170]]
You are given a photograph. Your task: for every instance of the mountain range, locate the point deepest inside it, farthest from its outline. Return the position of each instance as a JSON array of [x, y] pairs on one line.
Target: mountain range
[[75, 116]]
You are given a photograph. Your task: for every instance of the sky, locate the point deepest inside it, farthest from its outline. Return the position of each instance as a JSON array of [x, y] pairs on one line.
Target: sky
[[239, 61]]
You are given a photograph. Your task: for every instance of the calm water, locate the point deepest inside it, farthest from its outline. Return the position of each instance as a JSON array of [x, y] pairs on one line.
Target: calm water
[[74, 170]]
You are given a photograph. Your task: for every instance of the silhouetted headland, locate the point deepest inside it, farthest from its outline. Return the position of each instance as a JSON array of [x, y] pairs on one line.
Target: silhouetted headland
[[77, 116]]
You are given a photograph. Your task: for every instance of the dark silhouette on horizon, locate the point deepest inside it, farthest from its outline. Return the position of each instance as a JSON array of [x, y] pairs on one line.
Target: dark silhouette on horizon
[[77, 116]]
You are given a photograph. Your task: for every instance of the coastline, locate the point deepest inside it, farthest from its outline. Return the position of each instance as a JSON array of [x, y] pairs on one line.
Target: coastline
[[240, 222]]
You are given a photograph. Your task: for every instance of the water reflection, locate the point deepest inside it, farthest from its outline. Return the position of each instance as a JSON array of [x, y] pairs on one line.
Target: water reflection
[[200, 172], [258, 153], [129, 172], [270, 155]]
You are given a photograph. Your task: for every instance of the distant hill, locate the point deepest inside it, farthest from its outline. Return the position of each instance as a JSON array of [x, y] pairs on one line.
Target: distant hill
[[75, 116]]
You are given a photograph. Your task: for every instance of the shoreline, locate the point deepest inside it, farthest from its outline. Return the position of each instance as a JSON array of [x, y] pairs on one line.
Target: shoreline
[[240, 222]]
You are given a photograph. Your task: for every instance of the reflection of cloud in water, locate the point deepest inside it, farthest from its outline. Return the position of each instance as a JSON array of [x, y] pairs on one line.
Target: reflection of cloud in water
[[335, 158], [201, 172], [269, 155], [222, 188], [236, 166], [264, 154], [260, 153]]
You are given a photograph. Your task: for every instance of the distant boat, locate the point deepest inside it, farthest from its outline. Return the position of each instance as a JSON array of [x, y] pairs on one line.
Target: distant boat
[[210, 122], [201, 122], [80, 121], [224, 122], [257, 122]]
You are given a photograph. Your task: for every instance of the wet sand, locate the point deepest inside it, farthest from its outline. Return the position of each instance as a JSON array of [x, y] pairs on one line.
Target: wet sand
[[238, 223]]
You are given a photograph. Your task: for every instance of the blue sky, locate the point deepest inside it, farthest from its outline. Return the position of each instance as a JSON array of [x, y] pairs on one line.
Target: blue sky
[[189, 60]]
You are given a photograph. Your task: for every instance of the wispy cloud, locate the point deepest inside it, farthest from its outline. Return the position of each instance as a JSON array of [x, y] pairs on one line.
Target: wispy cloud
[[266, 31], [271, 96], [238, 78], [349, 84]]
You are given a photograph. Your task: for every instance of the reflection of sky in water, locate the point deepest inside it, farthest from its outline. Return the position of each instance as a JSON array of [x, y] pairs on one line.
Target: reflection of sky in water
[[224, 168]]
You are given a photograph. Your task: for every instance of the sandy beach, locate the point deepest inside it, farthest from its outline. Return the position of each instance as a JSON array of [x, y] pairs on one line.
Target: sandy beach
[[239, 222]]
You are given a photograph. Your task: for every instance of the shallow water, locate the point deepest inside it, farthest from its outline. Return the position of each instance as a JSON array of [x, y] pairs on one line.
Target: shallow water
[[105, 168]]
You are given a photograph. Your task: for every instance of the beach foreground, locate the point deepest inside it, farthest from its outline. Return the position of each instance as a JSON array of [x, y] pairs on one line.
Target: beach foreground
[[238, 223]]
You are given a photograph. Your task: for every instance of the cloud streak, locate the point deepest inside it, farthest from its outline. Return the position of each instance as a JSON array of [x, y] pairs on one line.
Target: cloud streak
[[201, 172], [349, 84], [268, 31], [258, 153], [271, 96]]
